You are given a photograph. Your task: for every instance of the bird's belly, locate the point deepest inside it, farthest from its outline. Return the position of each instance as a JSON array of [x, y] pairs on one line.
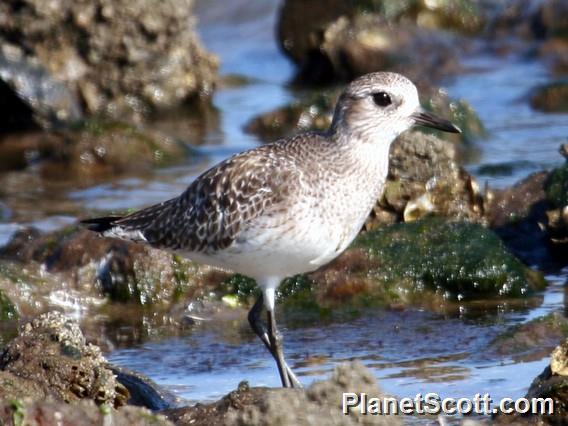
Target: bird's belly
[[281, 251]]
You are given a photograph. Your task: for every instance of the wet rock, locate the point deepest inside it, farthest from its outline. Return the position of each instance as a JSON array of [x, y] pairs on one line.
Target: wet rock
[[557, 195], [52, 353], [551, 97], [124, 271], [315, 112], [268, 406], [84, 413], [551, 386], [540, 22], [95, 149], [518, 215], [456, 260], [532, 340], [345, 39], [106, 57], [8, 310], [143, 391]]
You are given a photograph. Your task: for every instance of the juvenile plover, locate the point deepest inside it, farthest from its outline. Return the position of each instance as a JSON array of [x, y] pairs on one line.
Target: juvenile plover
[[288, 207]]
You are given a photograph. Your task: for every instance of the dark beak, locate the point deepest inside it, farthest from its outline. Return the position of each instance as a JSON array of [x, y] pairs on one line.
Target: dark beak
[[424, 118]]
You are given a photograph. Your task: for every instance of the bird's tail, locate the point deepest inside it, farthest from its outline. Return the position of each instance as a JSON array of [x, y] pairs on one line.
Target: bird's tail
[[101, 224]]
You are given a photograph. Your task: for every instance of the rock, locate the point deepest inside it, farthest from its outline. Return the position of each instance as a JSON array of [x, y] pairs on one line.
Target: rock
[[51, 353], [96, 149], [84, 413], [556, 188], [532, 340], [30, 96], [124, 271], [312, 113], [550, 388], [541, 22], [424, 177], [559, 360], [457, 259], [269, 406], [551, 97], [8, 310], [105, 57], [518, 215], [143, 391], [343, 39]]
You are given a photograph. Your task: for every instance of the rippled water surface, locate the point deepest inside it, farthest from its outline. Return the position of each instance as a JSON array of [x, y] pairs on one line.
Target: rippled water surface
[[410, 351]]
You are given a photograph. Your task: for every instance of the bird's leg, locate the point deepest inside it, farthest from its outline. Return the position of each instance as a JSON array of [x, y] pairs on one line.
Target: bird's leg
[[254, 318], [276, 343]]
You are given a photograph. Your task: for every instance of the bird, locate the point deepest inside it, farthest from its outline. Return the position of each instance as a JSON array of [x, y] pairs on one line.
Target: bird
[[288, 207]]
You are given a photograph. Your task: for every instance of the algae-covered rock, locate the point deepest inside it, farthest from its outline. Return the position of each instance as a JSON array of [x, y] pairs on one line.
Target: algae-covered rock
[[8, 310], [122, 270], [551, 97], [52, 353], [286, 407], [462, 260]]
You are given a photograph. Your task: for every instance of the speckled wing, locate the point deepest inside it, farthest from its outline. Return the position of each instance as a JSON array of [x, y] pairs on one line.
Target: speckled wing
[[217, 206]]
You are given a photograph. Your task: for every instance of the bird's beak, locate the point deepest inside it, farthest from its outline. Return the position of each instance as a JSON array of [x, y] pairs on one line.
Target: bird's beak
[[425, 118]]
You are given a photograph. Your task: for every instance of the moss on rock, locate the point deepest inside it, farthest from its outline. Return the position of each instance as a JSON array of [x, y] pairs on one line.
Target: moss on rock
[[462, 260]]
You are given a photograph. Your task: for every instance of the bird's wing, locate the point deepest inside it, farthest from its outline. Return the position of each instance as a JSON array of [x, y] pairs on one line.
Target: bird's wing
[[215, 208]]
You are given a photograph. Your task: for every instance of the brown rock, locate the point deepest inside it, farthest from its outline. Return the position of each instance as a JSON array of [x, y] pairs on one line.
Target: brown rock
[[52, 353]]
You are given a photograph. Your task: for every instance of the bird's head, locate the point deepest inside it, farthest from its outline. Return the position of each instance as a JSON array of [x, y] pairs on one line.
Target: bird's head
[[381, 106]]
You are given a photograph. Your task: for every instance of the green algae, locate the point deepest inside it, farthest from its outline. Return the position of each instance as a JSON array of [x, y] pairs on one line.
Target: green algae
[[461, 260], [556, 186]]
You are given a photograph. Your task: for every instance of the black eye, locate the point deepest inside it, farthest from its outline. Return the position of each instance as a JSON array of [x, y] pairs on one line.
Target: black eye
[[382, 99]]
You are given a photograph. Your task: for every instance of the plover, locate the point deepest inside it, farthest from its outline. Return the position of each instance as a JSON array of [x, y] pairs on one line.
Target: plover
[[288, 207]]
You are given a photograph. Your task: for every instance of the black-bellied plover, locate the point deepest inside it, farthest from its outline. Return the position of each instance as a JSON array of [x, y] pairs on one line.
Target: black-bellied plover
[[288, 207]]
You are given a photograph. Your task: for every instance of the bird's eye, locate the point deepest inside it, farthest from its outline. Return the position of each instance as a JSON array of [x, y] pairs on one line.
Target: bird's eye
[[382, 99]]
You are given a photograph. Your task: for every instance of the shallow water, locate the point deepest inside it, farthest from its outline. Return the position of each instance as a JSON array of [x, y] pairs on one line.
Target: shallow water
[[411, 351]]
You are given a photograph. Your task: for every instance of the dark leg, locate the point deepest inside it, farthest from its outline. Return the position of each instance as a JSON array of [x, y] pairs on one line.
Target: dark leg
[[276, 343], [254, 318]]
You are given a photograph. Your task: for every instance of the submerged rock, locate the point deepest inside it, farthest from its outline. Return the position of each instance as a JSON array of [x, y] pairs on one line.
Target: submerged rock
[[51, 357], [532, 340], [270, 406], [104, 57], [95, 149], [551, 97]]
